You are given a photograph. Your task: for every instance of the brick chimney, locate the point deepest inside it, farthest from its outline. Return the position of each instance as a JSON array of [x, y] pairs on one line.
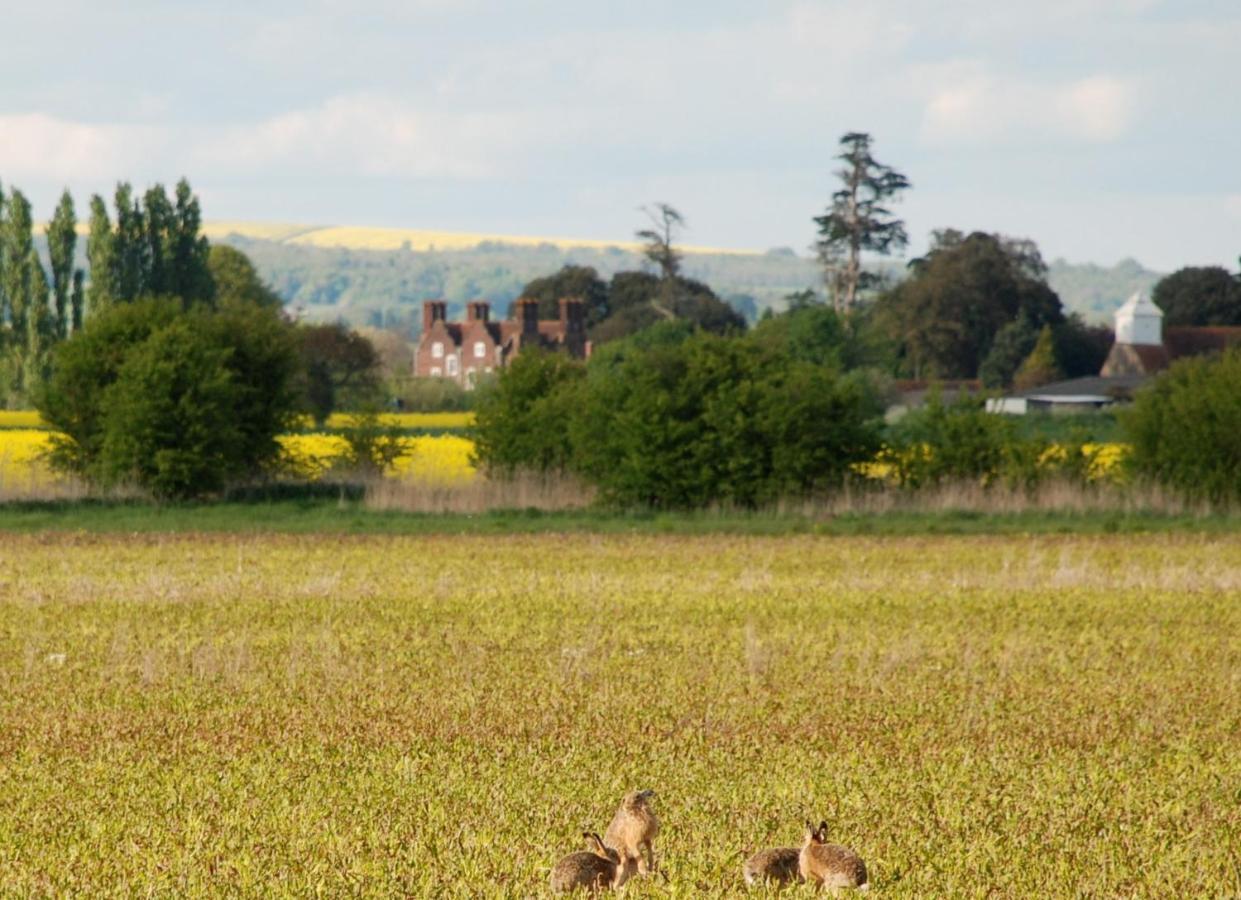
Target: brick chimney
[[478, 311], [572, 314], [433, 311], [528, 318]]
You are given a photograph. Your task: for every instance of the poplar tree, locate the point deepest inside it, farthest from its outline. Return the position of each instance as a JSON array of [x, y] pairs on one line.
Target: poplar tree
[[62, 240], [158, 227], [18, 243], [129, 245], [101, 252], [858, 221], [191, 277]]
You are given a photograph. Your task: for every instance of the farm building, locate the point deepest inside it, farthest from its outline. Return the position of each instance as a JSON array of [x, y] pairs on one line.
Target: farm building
[[464, 351], [1142, 349]]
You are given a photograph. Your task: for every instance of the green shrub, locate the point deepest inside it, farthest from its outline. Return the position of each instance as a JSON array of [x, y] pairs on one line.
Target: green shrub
[[950, 442], [1185, 428], [718, 420], [521, 418], [179, 403]]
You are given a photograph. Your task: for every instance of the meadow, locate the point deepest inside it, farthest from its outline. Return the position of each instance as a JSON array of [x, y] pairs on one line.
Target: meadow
[[282, 715]]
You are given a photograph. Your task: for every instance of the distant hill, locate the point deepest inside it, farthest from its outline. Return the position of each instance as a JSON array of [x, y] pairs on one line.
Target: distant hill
[[380, 276]]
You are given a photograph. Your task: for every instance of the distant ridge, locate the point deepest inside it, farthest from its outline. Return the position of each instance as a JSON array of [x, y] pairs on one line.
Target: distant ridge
[[351, 237]]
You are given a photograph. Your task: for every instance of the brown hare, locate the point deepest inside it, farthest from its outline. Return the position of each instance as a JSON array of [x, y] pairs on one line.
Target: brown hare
[[633, 829], [830, 865], [599, 868], [778, 865]]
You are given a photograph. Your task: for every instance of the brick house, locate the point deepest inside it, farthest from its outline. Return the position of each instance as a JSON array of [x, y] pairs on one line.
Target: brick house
[[464, 351]]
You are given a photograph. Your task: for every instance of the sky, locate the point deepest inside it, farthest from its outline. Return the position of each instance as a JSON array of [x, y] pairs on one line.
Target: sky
[[1101, 129]]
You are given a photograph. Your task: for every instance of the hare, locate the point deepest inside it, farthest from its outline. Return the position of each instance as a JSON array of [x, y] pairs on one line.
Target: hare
[[830, 865], [778, 865], [633, 829], [596, 869]]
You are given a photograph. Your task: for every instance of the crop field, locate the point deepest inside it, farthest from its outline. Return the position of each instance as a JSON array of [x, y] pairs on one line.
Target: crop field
[[183, 715]]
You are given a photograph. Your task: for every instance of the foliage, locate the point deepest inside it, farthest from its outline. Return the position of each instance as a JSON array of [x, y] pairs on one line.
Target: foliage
[[155, 248], [858, 221], [522, 417], [265, 714], [371, 445], [1208, 295], [639, 300], [718, 421], [1041, 366], [434, 395], [814, 332], [337, 365], [945, 317], [579, 282], [942, 442], [1011, 346], [235, 280], [1081, 349], [657, 241], [177, 402], [1185, 428]]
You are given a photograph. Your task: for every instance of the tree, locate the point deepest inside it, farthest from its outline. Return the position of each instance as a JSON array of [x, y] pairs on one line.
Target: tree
[[62, 240], [657, 241], [521, 419], [1041, 366], [1009, 350], [580, 282], [190, 276], [638, 300], [101, 253], [129, 243], [334, 360], [1185, 428], [1199, 296], [235, 280], [945, 317], [180, 403], [857, 220]]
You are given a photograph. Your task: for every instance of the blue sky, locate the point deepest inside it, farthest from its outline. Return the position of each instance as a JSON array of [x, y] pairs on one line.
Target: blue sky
[[1099, 128]]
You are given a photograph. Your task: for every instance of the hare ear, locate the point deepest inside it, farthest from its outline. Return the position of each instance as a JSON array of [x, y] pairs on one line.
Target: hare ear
[[823, 827]]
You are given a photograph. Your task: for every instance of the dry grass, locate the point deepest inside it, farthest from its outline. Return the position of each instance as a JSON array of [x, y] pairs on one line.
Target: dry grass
[[287, 716], [479, 495]]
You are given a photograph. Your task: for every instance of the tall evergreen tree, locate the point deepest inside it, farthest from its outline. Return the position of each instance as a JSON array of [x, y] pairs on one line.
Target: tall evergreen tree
[[159, 230], [18, 243], [101, 252], [191, 277], [858, 221], [129, 244], [62, 240], [76, 301]]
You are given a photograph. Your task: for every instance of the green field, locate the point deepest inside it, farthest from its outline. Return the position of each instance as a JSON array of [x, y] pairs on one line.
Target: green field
[[183, 715]]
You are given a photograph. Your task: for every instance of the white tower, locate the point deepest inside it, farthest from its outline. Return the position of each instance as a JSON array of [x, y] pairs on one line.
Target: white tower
[[1139, 322]]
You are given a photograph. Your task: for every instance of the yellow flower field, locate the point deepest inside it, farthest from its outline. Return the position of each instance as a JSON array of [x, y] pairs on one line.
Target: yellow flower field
[[21, 465], [442, 458]]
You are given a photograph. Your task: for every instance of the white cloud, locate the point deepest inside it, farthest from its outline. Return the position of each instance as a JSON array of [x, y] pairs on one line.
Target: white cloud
[[969, 105], [371, 135], [44, 146]]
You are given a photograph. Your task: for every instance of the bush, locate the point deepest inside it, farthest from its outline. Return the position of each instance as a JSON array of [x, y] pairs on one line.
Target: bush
[[718, 421], [180, 403], [521, 419], [1185, 428]]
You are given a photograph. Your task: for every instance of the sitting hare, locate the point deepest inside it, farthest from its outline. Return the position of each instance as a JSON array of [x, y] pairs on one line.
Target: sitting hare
[[633, 829], [830, 865], [597, 869], [778, 865]]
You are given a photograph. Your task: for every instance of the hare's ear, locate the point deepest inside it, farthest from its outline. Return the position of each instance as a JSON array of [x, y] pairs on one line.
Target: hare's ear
[[823, 828]]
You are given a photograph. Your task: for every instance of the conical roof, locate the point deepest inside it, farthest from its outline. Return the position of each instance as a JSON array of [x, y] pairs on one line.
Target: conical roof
[[1139, 305]]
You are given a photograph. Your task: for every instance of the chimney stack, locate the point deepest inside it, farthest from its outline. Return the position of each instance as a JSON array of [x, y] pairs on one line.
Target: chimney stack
[[572, 314], [478, 311], [528, 318], [433, 311]]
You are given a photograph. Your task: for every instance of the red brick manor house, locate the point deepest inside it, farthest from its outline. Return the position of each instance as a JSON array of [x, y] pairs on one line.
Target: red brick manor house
[[464, 351]]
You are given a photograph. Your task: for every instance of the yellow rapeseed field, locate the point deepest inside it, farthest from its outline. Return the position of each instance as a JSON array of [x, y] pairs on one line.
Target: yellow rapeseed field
[[21, 463], [439, 458], [249, 715]]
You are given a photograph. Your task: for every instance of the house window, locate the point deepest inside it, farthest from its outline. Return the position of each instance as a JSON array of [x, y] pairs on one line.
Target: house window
[[469, 378], [437, 350], [480, 349], [436, 371], [452, 367]]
